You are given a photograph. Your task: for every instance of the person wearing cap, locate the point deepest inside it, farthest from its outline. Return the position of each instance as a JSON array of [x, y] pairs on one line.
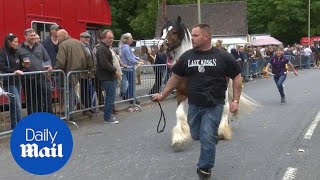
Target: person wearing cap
[[86, 88], [51, 46], [51, 43]]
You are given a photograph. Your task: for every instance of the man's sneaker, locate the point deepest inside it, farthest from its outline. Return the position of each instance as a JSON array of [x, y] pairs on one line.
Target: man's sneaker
[[111, 121], [283, 99], [204, 174]]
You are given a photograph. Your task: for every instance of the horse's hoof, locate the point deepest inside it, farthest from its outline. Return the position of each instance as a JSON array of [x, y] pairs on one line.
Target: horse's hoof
[[225, 136], [221, 137], [177, 147]]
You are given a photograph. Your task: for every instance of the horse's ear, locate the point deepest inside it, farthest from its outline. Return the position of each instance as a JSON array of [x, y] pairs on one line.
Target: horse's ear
[[179, 19]]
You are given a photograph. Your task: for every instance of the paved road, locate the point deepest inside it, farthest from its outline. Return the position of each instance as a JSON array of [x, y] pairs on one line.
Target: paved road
[[265, 143]]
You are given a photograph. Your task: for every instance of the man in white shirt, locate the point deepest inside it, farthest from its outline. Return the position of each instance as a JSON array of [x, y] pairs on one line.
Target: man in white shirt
[[307, 56]]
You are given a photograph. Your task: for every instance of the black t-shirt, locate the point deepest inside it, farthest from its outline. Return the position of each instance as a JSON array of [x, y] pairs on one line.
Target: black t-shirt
[[206, 73]]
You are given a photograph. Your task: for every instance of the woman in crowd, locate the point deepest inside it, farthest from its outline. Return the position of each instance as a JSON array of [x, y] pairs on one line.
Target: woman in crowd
[[129, 60], [279, 70], [10, 63]]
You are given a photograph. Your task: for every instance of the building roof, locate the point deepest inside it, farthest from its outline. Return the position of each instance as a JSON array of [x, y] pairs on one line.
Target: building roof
[[225, 18]]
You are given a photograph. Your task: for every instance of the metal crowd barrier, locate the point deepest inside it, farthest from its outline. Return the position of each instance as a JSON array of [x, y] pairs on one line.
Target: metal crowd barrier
[[253, 67], [39, 91], [87, 94]]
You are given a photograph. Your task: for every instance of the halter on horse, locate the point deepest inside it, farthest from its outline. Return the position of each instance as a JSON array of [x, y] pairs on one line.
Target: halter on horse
[[176, 37]]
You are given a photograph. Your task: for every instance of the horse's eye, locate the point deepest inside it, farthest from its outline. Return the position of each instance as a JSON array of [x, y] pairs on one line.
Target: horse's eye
[[174, 33]]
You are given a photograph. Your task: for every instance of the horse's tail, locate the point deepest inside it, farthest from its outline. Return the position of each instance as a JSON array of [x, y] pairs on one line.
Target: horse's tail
[[246, 104]]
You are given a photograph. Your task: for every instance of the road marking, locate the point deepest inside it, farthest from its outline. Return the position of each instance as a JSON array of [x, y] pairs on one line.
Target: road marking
[[290, 173], [312, 127]]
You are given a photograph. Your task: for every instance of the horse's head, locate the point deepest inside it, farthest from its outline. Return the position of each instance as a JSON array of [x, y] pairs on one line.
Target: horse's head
[[173, 34]]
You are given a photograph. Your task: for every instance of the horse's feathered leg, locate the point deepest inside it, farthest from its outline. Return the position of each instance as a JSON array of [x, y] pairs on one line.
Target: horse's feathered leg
[[225, 131], [181, 132]]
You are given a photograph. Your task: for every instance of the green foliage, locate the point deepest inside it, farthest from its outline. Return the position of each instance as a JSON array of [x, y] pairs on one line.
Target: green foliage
[[285, 19]]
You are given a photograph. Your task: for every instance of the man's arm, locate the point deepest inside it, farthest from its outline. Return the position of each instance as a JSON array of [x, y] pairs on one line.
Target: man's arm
[[61, 59], [171, 85], [237, 87]]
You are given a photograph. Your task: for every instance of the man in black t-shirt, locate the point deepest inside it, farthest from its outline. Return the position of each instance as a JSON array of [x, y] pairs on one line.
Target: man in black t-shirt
[[205, 69]]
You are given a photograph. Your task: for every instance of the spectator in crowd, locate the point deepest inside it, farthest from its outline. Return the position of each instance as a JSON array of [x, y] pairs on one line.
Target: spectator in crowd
[[245, 69], [279, 70], [218, 44], [307, 56], [86, 87], [237, 56], [107, 74], [10, 63], [316, 52], [38, 39], [128, 59], [36, 86], [51, 46], [146, 55], [72, 56], [96, 82], [159, 69], [117, 64], [51, 43]]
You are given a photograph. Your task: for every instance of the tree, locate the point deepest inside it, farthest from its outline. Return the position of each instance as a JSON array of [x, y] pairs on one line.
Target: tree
[[286, 20]]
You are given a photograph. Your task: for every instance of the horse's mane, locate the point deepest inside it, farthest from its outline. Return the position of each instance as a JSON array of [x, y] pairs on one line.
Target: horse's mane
[[184, 43]]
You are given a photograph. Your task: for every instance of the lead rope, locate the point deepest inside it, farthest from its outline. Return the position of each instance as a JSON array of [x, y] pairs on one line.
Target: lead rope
[[164, 120]]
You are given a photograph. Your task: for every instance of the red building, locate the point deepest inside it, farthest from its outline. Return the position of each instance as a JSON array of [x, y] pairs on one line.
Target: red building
[[75, 16], [313, 40]]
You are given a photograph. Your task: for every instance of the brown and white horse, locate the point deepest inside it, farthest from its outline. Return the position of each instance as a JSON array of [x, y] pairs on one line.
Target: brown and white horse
[[177, 39]]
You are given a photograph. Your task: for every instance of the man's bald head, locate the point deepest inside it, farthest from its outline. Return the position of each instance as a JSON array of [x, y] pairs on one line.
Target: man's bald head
[[62, 34]]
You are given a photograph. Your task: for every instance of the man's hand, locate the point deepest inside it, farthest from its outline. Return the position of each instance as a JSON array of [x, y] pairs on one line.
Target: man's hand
[[117, 73], [49, 68], [157, 97], [234, 106], [18, 72], [141, 62]]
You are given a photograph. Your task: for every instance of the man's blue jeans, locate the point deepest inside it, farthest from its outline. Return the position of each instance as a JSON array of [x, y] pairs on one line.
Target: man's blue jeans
[[204, 123], [308, 61], [110, 89], [15, 104], [279, 82]]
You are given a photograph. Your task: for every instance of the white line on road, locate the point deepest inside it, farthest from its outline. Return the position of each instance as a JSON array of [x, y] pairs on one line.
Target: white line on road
[[312, 127], [290, 173]]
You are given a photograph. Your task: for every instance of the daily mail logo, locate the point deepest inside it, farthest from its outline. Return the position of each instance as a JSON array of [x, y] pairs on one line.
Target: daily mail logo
[[32, 150], [41, 143]]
